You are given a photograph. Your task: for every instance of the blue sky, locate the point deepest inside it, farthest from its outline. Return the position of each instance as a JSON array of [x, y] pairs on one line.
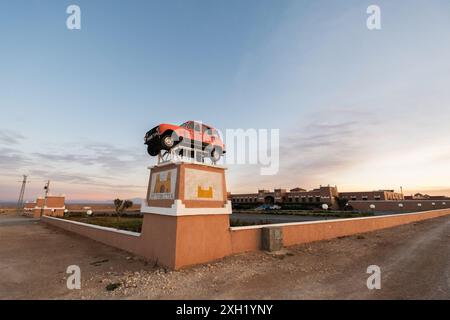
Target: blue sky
[[357, 108]]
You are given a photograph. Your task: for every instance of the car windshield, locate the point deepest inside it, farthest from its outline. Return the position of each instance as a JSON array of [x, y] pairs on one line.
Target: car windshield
[[187, 125], [210, 131]]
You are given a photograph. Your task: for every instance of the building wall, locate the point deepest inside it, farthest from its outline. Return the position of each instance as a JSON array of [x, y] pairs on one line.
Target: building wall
[[54, 206], [371, 195], [48, 212], [317, 196], [29, 206], [51, 202], [400, 205]]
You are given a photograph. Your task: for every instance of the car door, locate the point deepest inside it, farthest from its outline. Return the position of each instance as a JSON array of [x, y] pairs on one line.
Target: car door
[[207, 135]]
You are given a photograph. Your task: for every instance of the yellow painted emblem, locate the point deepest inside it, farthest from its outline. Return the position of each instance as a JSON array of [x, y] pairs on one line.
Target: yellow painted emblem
[[205, 194]]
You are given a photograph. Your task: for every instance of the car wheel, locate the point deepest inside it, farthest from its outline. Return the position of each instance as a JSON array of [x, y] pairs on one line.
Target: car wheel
[[152, 151], [167, 141], [216, 154]]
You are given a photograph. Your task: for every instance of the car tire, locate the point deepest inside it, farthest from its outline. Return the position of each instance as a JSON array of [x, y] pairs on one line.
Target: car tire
[[216, 154], [153, 151], [168, 141]]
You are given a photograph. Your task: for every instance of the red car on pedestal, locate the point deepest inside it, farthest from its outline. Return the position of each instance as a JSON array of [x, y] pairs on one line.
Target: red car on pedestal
[[190, 134]]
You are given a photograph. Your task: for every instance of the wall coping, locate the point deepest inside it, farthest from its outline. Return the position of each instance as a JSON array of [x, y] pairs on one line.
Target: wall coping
[[330, 221], [93, 226], [179, 209]]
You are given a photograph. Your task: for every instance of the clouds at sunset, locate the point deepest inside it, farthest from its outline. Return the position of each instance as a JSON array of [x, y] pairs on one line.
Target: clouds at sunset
[[355, 108]]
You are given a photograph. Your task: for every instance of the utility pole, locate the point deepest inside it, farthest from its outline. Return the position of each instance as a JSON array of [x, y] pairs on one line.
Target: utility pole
[[21, 195], [47, 189]]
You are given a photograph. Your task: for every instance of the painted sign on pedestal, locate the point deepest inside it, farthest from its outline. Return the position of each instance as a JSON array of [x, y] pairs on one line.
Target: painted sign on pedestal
[[162, 185], [203, 185]]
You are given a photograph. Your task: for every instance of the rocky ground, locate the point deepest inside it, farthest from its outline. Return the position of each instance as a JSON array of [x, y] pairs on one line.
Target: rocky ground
[[414, 261]]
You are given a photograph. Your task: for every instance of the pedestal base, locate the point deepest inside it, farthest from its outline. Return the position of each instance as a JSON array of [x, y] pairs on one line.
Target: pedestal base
[[186, 215]]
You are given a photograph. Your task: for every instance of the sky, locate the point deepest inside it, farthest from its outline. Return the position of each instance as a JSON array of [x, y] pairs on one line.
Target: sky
[[356, 108]]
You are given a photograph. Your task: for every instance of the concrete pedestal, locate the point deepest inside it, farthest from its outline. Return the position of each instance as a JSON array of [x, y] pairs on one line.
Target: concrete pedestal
[[186, 214]]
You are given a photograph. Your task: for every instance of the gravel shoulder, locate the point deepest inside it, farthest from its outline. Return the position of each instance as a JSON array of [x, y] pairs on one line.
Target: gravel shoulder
[[414, 261]]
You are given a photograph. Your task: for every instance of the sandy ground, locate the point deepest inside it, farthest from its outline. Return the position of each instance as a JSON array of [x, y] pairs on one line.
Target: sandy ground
[[414, 261]]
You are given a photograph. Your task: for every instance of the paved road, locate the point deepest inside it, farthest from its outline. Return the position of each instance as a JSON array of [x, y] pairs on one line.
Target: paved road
[[16, 220], [414, 261]]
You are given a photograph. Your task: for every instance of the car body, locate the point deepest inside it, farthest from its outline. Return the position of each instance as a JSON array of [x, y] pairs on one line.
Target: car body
[[190, 134]]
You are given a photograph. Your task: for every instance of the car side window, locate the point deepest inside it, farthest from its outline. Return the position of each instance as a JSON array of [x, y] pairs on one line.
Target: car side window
[[196, 127], [207, 130]]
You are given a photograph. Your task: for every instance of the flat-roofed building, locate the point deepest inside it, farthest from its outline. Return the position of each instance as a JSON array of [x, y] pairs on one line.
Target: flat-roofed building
[[29, 206], [302, 197], [371, 195], [54, 206], [420, 196]]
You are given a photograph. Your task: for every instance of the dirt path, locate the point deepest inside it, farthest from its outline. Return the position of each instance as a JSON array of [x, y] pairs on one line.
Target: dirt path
[[414, 261]]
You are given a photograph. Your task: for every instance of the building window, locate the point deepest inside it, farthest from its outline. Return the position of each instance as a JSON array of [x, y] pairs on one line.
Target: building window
[[353, 198], [365, 198], [317, 199]]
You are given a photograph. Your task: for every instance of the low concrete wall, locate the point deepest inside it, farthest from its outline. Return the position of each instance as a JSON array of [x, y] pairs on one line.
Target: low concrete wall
[[125, 240], [249, 238], [400, 205], [185, 241], [243, 240]]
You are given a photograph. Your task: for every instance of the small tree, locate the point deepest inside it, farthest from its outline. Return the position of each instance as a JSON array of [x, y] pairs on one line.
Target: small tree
[[342, 203], [121, 206]]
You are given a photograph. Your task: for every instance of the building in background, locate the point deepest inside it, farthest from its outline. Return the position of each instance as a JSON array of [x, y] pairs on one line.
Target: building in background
[[295, 197], [316, 198], [29, 207], [372, 195], [420, 196], [54, 206]]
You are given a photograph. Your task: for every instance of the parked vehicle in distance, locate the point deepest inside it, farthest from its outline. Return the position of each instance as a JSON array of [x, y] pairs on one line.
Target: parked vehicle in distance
[[190, 134]]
